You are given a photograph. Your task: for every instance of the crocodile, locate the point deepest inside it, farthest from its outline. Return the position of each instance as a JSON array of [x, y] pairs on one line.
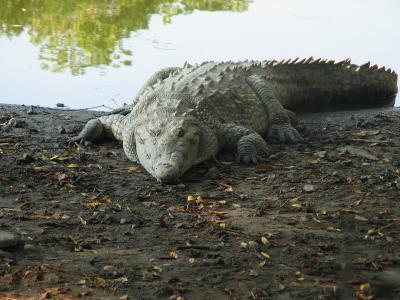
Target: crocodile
[[184, 116]]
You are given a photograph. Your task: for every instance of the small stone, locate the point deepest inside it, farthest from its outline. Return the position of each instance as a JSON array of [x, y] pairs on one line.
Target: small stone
[[308, 188], [30, 110], [9, 240], [321, 154], [26, 158], [243, 197], [111, 269], [60, 104], [332, 156], [61, 129], [180, 187], [253, 244], [29, 247]]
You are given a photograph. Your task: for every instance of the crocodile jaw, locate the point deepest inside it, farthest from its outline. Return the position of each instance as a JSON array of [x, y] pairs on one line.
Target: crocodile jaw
[[167, 148]]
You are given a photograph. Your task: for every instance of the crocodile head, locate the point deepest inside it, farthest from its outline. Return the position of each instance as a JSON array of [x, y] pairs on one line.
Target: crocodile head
[[167, 146]]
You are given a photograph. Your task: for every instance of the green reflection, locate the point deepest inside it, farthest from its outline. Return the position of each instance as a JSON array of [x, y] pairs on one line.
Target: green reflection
[[75, 34]]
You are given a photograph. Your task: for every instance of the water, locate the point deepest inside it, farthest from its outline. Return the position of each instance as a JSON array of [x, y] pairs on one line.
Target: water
[[99, 52]]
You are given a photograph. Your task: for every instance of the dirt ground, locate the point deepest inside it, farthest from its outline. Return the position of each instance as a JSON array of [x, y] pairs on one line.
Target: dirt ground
[[320, 221]]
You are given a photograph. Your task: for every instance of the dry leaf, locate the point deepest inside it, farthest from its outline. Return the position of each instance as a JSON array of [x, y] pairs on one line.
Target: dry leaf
[[360, 218], [83, 222], [330, 228], [364, 133], [297, 205], [151, 203], [314, 161], [229, 189], [222, 225], [90, 196], [60, 158], [266, 255], [264, 240], [41, 168], [218, 212], [192, 260], [299, 276], [262, 263], [73, 166], [130, 169], [99, 282], [173, 254]]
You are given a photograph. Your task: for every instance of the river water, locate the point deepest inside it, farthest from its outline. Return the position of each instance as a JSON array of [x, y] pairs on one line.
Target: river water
[[99, 52]]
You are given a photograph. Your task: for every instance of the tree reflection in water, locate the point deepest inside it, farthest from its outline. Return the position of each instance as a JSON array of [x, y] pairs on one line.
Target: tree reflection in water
[[75, 34]]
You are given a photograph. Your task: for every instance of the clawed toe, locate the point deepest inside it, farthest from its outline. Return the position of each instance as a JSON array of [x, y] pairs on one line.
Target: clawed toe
[[284, 133]]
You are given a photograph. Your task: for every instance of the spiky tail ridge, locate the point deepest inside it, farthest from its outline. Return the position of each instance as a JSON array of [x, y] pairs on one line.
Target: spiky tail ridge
[[321, 85]]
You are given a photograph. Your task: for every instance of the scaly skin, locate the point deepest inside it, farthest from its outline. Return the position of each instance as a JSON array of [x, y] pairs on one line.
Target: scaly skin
[[183, 116]]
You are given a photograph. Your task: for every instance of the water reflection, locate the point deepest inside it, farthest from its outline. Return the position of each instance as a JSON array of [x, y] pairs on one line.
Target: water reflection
[[115, 45], [75, 35]]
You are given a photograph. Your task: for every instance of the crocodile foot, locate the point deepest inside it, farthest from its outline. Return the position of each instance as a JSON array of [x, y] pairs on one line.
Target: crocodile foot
[[92, 131], [284, 133], [252, 149]]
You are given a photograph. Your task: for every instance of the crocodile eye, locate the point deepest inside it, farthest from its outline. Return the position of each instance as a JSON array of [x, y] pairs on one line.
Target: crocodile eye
[[181, 132]]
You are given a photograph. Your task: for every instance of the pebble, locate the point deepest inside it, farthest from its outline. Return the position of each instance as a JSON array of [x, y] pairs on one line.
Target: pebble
[[180, 187], [321, 154], [243, 196], [61, 129], [26, 158], [30, 110], [111, 269], [9, 240], [29, 247], [308, 188]]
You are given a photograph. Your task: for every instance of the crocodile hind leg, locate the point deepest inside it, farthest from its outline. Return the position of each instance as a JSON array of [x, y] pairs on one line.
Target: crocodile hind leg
[[280, 125]]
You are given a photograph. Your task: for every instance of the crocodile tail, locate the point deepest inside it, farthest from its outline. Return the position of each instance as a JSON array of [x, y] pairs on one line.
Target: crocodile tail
[[321, 85]]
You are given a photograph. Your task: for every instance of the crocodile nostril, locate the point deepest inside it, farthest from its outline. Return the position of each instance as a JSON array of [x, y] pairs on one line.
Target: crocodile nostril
[[166, 172]]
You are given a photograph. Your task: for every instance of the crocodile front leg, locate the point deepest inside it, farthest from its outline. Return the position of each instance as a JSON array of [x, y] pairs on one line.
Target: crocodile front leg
[[159, 75], [279, 126], [250, 146], [100, 129]]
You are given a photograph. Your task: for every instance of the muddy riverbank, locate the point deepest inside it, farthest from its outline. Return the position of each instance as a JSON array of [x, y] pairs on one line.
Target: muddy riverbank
[[319, 221]]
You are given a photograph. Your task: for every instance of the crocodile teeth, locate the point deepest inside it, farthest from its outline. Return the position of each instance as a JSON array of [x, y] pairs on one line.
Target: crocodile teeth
[[382, 69], [294, 61], [288, 61], [389, 70], [281, 62], [317, 61]]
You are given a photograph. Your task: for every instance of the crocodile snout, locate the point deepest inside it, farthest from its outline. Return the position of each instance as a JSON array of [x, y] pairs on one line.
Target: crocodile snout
[[166, 172]]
